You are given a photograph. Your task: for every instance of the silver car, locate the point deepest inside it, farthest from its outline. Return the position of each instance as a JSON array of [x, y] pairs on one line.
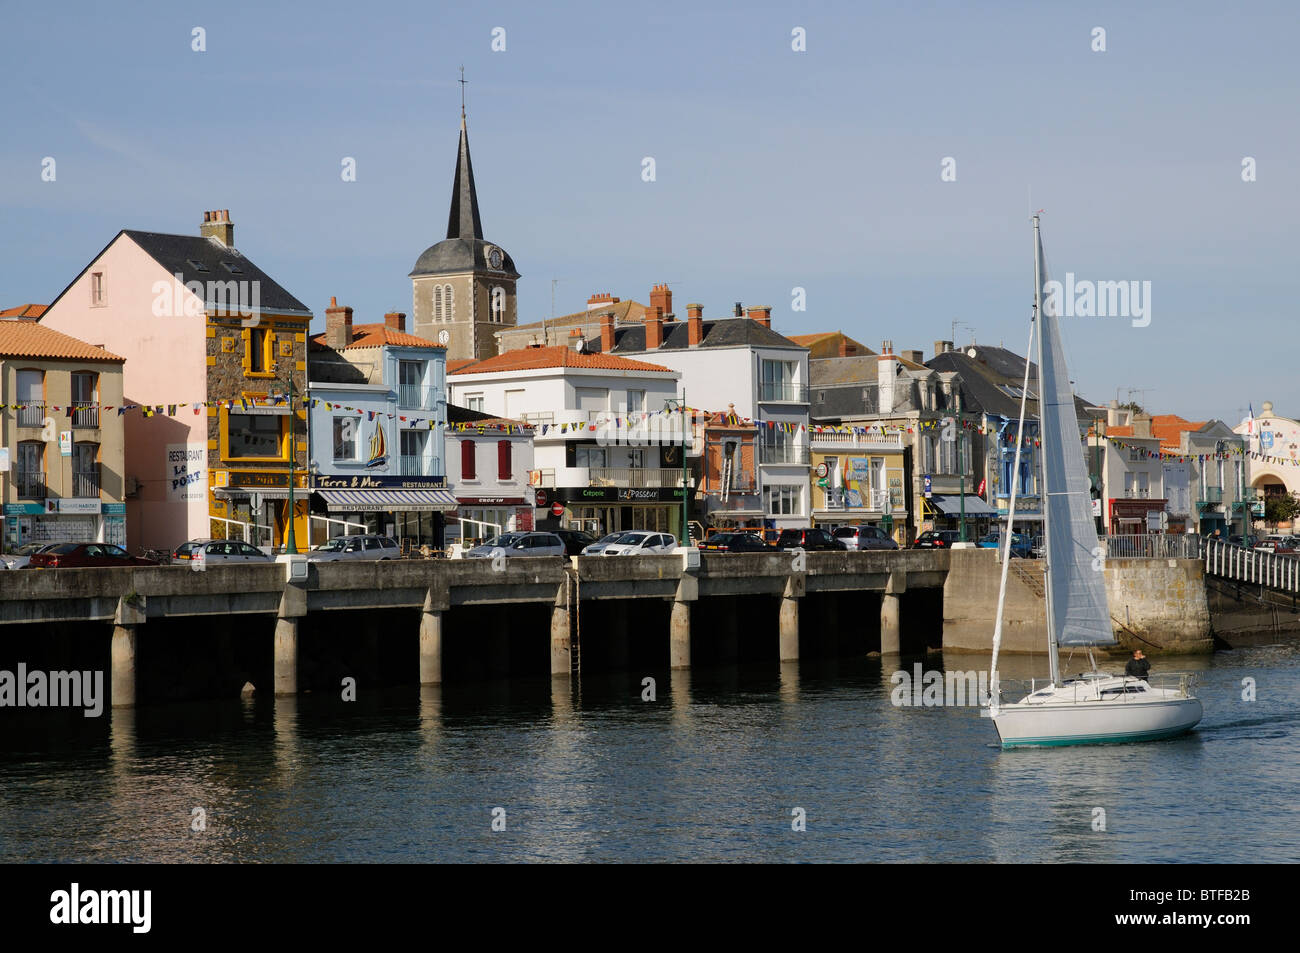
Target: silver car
[[519, 544], [641, 542], [369, 547], [598, 547], [19, 557], [225, 551], [861, 538]]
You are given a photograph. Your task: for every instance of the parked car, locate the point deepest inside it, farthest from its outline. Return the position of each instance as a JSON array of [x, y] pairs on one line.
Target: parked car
[[813, 539], [19, 557], [735, 543], [1276, 544], [1235, 540], [937, 539], [640, 542], [575, 540], [220, 551], [368, 546], [1021, 545], [519, 544], [864, 537], [598, 547], [85, 556]]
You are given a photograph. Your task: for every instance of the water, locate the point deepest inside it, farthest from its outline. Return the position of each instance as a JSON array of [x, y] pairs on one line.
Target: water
[[711, 771]]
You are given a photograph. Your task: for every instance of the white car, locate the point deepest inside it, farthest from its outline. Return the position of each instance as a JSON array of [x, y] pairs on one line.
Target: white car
[[519, 544], [19, 557], [639, 542], [598, 547], [220, 551], [368, 546]]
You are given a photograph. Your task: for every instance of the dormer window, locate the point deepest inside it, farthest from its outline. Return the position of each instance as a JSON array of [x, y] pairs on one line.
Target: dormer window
[[231, 267], [197, 265]]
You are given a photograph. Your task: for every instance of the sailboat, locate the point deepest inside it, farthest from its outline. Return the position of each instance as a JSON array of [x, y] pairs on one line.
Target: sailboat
[[1094, 707]]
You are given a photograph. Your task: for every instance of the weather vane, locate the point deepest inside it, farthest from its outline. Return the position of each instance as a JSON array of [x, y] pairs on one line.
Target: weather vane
[[462, 92]]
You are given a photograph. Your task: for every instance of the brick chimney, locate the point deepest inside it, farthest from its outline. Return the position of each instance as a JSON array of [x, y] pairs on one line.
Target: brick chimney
[[762, 314], [577, 340], [607, 332], [654, 329], [694, 324], [338, 325], [661, 299], [395, 320], [942, 347], [916, 357], [847, 348], [600, 298], [886, 373], [218, 225]]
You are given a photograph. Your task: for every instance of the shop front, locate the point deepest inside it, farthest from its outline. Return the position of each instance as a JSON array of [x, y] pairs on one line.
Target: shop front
[[606, 509], [409, 509], [1135, 517], [70, 520], [481, 517], [253, 505]]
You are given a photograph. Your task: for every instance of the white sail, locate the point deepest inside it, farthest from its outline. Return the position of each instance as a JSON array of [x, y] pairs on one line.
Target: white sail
[[1078, 613]]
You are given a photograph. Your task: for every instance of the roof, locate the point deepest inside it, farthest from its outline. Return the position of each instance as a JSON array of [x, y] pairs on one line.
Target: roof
[[830, 343], [378, 335], [1167, 428], [532, 358], [29, 339], [463, 415], [834, 371], [721, 332], [625, 312], [458, 363], [991, 380], [24, 311]]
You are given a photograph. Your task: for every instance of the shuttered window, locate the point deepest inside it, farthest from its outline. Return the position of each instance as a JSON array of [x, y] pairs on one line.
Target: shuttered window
[[503, 460], [467, 460]]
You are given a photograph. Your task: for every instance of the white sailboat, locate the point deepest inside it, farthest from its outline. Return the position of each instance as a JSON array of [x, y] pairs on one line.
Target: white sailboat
[[1095, 707]]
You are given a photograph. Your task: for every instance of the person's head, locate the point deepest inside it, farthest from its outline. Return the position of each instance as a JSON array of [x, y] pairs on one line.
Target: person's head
[[1138, 653]]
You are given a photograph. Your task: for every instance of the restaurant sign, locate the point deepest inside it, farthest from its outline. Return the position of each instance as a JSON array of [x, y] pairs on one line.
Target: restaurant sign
[[373, 481]]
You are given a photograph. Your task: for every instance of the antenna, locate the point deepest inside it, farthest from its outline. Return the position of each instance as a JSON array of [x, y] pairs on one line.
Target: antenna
[[961, 324]]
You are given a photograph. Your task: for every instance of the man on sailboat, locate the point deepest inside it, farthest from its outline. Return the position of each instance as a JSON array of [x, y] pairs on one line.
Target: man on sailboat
[[1138, 666]]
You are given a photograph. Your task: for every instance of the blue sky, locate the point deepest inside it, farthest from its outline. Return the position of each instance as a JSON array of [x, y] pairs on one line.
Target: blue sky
[[775, 169]]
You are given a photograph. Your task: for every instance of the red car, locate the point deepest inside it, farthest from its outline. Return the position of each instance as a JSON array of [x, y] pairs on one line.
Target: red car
[[86, 555]]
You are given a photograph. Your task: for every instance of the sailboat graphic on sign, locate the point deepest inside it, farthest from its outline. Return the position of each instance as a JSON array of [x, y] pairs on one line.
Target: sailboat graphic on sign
[[378, 447]]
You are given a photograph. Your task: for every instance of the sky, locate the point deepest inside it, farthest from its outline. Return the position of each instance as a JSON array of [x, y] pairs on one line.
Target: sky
[[775, 169]]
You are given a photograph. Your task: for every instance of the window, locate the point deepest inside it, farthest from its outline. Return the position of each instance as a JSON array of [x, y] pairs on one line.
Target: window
[[85, 399], [503, 460], [589, 456], [467, 471], [636, 459], [97, 289], [412, 446], [259, 356], [232, 267], [197, 265], [443, 309], [474, 402], [254, 435], [345, 439], [635, 401], [498, 304], [30, 474], [85, 469], [776, 381], [784, 500], [31, 398], [411, 390], [590, 398]]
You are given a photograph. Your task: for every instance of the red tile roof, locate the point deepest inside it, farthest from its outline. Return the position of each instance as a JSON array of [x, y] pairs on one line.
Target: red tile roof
[[531, 358], [454, 365], [377, 335], [25, 311], [20, 338]]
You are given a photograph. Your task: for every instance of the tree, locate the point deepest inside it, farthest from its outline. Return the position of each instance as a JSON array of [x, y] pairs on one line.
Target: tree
[[1280, 508]]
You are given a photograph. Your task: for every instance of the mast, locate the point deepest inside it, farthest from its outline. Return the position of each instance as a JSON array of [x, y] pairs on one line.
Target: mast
[[1053, 654]]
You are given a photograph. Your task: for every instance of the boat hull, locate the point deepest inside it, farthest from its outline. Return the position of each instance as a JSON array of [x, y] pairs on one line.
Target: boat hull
[[1092, 722]]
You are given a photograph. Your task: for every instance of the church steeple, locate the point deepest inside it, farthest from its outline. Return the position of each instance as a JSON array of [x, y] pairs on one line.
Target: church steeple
[[463, 221]]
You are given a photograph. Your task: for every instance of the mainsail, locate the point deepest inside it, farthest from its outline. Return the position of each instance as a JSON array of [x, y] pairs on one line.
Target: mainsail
[[1077, 609]]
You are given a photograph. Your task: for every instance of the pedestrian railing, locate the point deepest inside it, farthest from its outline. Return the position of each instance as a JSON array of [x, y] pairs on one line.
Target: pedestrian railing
[[1280, 571], [1153, 546]]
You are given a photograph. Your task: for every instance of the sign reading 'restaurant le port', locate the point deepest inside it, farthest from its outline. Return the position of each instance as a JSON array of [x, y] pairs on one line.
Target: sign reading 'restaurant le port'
[[187, 465]]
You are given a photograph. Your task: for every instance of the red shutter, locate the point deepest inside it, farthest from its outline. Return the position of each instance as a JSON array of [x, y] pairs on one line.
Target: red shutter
[[503, 459], [467, 460]]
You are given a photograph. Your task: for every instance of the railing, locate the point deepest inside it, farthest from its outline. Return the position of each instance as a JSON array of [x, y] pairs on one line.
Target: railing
[[1211, 494], [1279, 571], [637, 478], [30, 484], [1012, 690], [410, 464], [737, 483], [417, 397], [873, 500], [32, 415], [553, 418], [769, 453], [792, 393], [854, 441], [1153, 546], [236, 529], [85, 483], [85, 416], [1138, 494]]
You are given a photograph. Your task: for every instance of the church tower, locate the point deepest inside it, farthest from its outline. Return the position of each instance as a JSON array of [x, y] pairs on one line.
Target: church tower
[[463, 288]]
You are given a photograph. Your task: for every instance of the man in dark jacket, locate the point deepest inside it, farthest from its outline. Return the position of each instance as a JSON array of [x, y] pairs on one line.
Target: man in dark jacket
[[1138, 666]]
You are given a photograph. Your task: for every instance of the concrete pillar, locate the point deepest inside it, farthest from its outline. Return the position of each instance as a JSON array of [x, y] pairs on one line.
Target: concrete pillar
[[789, 622], [123, 666], [561, 639], [679, 636], [286, 656], [431, 648], [889, 629]]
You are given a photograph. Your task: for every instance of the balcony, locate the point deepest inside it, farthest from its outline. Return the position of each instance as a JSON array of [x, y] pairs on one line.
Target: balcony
[[637, 478], [410, 464], [781, 453], [773, 391], [86, 484], [85, 415], [1211, 494], [30, 484], [32, 415], [736, 483], [415, 397], [1137, 494], [871, 500], [872, 440]]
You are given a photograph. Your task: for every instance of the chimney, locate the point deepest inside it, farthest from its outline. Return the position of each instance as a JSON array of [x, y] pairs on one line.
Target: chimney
[[916, 357], [942, 347], [395, 320], [218, 225], [600, 298], [654, 329], [338, 325], [738, 311], [1141, 425], [661, 299], [577, 340], [886, 372], [607, 332], [761, 313], [694, 324], [847, 347]]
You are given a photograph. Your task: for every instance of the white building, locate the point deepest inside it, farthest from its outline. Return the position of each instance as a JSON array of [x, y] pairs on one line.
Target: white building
[[489, 463]]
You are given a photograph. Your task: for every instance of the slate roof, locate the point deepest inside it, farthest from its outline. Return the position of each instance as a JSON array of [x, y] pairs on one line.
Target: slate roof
[[20, 338], [721, 332], [984, 376], [531, 358]]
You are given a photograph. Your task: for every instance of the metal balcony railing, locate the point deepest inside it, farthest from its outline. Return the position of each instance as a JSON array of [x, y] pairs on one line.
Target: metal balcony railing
[[30, 484], [86, 483], [791, 393], [1211, 494], [85, 415], [416, 397], [32, 415], [797, 454], [409, 464], [636, 478], [1138, 494], [854, 441], [1154, 546]]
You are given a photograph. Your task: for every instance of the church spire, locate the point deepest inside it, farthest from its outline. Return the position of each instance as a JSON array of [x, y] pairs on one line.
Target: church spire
[[463, 221]]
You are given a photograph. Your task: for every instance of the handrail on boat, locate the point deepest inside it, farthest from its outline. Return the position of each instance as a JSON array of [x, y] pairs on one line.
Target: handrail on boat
[[1014, 690]]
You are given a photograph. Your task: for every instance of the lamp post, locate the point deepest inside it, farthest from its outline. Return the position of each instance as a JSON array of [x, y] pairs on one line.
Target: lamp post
[[685, 534], [291, 540], [961, 474]]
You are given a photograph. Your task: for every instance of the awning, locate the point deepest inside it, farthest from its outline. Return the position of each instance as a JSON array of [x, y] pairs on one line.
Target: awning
[[387, 501], [265, 493], [952, 506]]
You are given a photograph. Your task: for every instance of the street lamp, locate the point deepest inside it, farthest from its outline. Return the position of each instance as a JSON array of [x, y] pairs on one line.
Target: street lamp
[[291, 540], [961, 475], [681, 404]]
